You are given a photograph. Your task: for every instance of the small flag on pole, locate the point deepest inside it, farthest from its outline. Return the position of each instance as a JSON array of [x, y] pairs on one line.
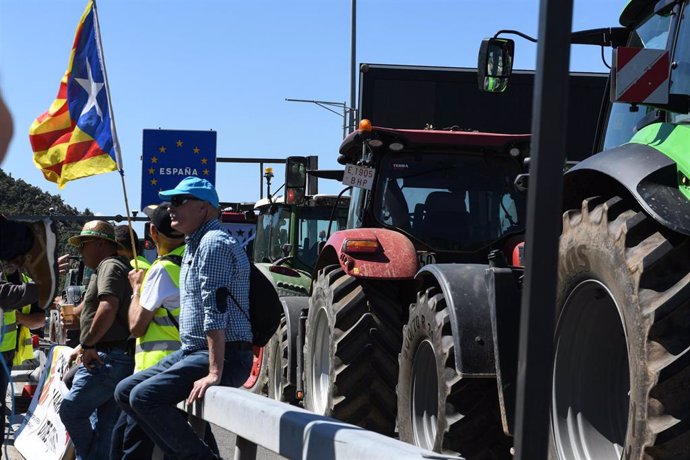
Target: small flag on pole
[[76, 137]]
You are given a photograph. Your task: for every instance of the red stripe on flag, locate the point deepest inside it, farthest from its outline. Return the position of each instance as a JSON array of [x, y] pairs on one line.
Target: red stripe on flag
[[77, 34], [45, 115], [56, 168], [82, 150], [655, 76], [41, 142], [62, 91], [75, 153], [625, 55]]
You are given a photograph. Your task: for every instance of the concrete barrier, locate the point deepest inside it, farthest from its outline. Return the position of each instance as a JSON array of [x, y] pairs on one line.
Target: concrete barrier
[[294, 432]]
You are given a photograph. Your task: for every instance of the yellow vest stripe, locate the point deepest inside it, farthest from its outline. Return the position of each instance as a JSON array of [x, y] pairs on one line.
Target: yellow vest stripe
[[162, 336], [158, 345]]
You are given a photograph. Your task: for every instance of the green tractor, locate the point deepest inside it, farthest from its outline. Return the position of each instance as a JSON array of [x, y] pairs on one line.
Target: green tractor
[[621, 366], [290, 232]]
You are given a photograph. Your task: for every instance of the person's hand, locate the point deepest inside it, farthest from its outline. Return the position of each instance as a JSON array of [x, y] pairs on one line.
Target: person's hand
[[135, 279], [200, 387], [63, 264], [75, 356], [91, 359], [56, 302], [69, 322]]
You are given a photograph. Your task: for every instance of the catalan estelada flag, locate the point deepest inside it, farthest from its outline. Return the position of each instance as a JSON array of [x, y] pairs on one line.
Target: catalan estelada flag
[[76, 137]]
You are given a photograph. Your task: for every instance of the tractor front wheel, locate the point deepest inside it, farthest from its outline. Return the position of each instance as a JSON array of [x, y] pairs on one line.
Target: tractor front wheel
[[437, 409], [352, 339]]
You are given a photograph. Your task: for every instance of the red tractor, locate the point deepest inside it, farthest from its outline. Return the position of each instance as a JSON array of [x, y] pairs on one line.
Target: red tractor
[[419, 197]]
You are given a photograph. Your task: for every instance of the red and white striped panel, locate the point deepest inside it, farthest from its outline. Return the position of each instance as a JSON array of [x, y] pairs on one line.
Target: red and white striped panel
[[642, 75]]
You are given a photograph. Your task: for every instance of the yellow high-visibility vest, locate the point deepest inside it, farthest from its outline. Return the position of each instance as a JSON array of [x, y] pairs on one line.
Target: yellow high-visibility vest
[[142, 263], [162, 336], [24, 349]]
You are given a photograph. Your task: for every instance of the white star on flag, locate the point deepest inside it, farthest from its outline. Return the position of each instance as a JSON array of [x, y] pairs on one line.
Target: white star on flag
[[92, 88]]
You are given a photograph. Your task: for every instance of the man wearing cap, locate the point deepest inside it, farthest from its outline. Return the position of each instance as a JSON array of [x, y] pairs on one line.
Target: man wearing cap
[[153, 320], [104, 350], [214, 329]]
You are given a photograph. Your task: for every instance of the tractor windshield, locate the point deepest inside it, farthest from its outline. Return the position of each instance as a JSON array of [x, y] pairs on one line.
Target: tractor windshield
[[623, 118], [275, 238], [451, 202], [312, 228], [272, 234]]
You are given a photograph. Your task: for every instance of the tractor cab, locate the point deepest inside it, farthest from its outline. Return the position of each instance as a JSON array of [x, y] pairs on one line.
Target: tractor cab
[[451, 193], [290, 236]]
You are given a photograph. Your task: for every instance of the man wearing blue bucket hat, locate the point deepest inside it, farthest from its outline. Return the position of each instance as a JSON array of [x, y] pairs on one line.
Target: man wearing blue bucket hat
[[215, 331]]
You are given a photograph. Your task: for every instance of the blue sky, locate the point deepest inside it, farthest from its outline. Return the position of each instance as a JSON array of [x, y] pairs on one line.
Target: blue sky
[[228, 65]]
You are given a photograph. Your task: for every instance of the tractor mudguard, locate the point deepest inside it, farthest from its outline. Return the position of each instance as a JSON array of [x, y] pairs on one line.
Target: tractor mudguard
[[505, 298], [288, 281], [648, 175], [465, 290], [292, 307], [395, 259]]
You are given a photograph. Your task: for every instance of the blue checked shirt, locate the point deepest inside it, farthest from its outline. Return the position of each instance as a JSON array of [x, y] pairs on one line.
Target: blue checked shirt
[[213, 260]]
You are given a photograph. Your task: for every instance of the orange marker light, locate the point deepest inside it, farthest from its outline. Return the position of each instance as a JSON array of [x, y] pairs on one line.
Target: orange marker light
[[360, 246], [365, 125]]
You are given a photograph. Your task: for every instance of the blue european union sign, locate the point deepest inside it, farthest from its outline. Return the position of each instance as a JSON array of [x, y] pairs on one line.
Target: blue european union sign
[[169, 156]]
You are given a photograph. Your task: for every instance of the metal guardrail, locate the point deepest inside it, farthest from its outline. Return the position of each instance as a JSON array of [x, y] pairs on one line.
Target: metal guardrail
[[293, 432]]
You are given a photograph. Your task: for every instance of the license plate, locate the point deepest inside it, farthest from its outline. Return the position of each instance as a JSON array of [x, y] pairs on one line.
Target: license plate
[[359, 176]]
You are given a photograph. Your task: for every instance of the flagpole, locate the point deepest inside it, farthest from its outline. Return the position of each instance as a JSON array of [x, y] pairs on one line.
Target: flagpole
[[116, 143]]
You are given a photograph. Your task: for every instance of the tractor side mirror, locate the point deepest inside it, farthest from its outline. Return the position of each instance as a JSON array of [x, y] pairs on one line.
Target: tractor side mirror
[[495, 64], [295, 179]]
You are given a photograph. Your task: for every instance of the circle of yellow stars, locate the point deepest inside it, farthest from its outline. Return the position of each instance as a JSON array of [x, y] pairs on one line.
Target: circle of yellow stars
[[162, 149]]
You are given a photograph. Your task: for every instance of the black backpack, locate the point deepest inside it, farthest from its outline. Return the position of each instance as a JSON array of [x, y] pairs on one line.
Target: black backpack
[[265, 308]]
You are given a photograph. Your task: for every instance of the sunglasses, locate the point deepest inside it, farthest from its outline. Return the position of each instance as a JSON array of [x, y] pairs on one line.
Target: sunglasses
[[83, 244], [181, 200]]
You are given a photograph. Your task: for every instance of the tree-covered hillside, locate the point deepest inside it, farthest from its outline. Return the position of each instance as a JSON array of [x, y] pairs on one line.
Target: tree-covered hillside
[[17, 198]]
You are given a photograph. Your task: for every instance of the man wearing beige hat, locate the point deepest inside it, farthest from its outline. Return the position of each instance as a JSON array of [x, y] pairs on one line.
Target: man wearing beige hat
[[104, 350]]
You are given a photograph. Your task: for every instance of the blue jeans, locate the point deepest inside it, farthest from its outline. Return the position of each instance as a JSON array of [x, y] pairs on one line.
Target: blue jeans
[[130, 442], [4, 384], [150, 398], [92, 395]]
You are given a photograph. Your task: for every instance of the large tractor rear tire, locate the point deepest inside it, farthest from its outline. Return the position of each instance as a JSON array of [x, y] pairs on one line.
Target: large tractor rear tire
[[437, 409], [278, 370], [353, 336], [621, 377]]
